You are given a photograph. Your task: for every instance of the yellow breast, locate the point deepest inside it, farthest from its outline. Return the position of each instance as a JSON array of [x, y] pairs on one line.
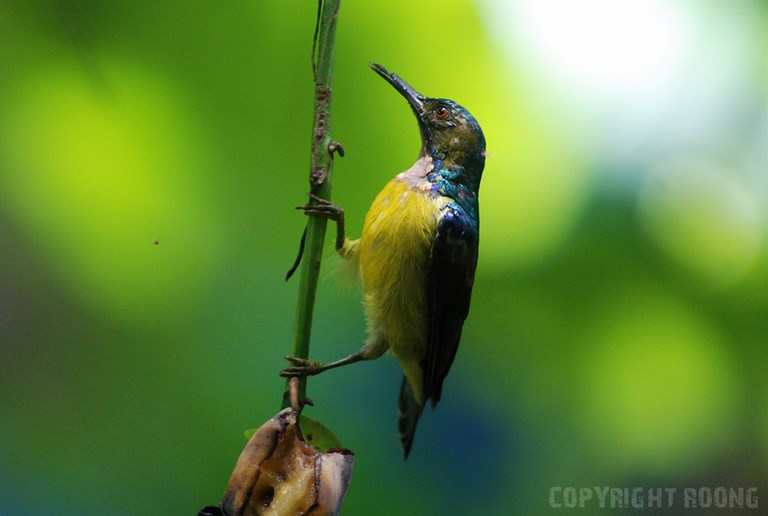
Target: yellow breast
[[394, 248]]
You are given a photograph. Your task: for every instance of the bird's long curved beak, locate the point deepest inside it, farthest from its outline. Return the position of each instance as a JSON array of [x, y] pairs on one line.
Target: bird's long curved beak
[[414, 98]]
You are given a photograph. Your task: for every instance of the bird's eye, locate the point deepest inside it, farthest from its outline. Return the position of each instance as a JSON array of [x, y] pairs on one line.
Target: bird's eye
[[442, 113]]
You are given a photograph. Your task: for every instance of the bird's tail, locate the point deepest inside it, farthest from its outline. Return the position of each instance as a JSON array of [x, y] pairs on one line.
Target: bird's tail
[[410, 411]]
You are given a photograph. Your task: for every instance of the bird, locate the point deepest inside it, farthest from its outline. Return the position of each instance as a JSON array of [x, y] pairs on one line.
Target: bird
[[417, 255]]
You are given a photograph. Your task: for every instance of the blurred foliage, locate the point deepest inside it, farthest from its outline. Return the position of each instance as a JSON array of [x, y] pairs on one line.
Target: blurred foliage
[[150, 157]]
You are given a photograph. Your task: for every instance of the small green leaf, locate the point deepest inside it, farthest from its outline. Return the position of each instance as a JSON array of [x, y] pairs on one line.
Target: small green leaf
[[317, 435]]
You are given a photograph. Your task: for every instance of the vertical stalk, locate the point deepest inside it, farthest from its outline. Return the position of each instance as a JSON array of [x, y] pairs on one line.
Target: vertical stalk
[[319, 178]]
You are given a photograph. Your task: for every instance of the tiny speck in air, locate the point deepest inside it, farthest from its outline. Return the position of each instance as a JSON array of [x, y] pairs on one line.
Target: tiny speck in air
[[156, 242]]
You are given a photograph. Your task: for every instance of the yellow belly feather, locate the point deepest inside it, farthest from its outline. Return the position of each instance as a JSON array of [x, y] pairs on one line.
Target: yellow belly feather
[[393, 253]]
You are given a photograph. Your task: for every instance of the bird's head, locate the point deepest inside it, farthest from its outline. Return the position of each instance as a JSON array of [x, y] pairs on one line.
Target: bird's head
[[448, 131]]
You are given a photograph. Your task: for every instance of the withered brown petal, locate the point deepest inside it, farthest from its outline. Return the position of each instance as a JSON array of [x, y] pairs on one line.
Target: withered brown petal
[[277, 473]]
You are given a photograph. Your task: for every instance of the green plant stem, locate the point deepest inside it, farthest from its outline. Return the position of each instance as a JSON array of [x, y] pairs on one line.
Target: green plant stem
[[319, 178]]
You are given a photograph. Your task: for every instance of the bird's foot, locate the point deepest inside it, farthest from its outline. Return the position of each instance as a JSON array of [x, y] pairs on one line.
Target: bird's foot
[[301, 367], [322, 208]]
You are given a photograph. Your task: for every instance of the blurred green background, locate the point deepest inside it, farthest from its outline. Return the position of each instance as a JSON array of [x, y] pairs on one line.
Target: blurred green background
[[151, 154]]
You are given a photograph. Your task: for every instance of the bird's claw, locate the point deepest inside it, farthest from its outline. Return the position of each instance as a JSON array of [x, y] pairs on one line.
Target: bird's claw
[[321, 207], [301, 367]]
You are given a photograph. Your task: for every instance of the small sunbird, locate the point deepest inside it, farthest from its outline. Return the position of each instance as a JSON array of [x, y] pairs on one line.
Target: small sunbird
[[417, 255]]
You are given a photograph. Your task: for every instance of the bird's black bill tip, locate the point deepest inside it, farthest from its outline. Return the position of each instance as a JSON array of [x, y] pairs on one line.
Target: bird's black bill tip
[[379, 69], [414, 98], [385, 74]]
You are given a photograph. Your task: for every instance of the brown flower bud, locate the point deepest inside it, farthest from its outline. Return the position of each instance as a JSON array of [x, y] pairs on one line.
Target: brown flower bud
[[278, 473]]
